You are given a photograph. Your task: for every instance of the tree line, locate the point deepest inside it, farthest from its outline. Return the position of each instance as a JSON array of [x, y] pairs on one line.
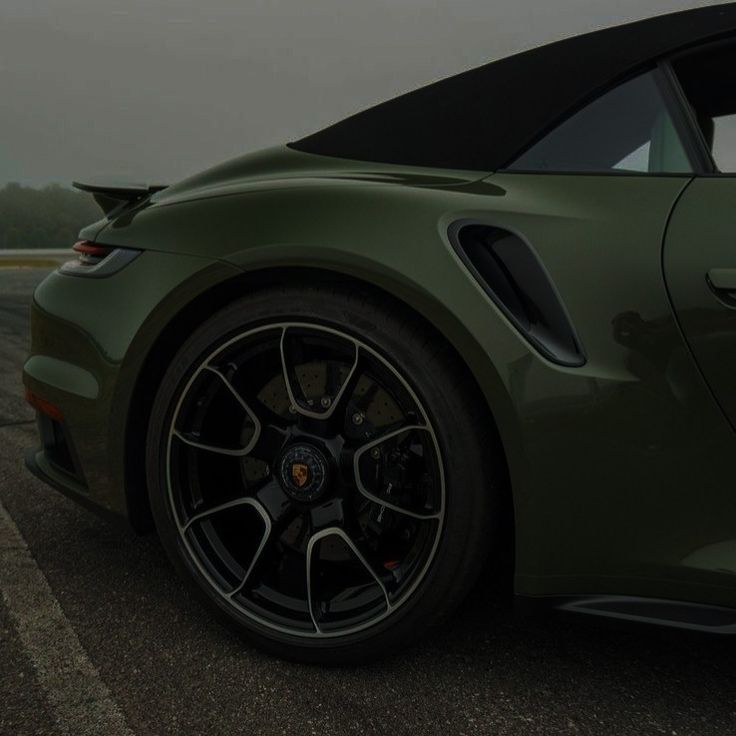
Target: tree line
[[50, 217]]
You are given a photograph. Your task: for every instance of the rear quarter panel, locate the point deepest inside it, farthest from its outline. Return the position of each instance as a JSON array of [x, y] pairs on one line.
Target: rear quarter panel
[[611, 464]]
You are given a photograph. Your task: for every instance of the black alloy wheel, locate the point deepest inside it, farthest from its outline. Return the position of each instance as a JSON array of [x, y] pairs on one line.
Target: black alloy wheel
[[298, 476]]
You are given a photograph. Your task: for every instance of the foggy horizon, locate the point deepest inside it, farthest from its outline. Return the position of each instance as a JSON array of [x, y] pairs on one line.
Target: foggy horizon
[[160, 89]]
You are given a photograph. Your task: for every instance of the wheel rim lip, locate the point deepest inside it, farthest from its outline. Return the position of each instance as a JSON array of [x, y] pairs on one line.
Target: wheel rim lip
[[182, 527]]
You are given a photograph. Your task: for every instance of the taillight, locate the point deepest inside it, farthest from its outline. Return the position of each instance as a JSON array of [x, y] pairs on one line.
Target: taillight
[[98, 261], [90, 253]]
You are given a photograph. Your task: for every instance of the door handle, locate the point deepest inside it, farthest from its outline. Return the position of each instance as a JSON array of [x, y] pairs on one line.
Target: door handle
[[722, 279], [722, 282]]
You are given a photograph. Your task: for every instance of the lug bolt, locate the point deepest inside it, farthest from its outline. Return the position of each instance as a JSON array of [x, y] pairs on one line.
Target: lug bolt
[[375, 453], [358, 418], [326, 402]]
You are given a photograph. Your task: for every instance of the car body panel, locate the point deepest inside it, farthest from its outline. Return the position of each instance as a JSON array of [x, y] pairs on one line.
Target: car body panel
[[638, 398], [702, 238], [618, 451], [281, 165], [81, 359]]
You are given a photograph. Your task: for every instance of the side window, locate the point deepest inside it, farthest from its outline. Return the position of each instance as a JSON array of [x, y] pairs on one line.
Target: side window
[[708, 79], [628, 129]]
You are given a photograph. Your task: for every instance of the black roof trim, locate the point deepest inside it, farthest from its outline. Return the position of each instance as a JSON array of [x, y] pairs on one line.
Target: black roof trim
[[483, 118]]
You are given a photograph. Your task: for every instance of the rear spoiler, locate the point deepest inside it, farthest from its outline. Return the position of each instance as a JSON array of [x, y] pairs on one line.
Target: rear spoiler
[[111, 195]]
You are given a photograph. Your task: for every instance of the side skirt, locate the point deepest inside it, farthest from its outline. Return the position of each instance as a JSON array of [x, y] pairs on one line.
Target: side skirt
[[673, 614]]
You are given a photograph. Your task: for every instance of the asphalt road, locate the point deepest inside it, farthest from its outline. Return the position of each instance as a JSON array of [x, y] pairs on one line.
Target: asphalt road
[[152, 655]]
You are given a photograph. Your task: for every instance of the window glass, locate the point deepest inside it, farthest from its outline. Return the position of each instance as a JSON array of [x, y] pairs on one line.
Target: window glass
[[626, 130], [724, 142], [708, 79]]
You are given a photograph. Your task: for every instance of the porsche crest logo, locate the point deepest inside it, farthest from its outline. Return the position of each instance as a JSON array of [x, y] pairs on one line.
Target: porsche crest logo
[[300, 474]]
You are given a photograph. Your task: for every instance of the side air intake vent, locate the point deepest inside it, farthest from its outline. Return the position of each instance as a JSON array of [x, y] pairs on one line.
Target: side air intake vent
[[511, 273]]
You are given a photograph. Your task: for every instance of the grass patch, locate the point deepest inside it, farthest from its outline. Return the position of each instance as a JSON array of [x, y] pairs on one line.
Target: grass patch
[[29, 262]]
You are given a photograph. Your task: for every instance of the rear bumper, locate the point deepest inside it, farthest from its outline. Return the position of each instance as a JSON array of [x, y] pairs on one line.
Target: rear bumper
[[90, 338], [38, 463]]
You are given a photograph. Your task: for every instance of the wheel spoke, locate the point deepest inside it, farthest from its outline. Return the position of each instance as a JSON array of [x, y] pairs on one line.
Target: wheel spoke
[[310, 551], [268, 444], [247, 396], [292, 389], [344, 394], [376, 499], [267, 528], [194, 441], [273, 499], [238, 502], [328, 514], [244, 501], [238, 452], [251, 414], [335, 531]]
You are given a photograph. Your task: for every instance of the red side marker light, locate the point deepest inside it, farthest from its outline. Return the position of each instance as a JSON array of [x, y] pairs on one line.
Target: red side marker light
[[45, 407]]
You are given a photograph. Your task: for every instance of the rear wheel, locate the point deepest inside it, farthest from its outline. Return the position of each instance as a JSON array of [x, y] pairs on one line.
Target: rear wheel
[[316, 470]]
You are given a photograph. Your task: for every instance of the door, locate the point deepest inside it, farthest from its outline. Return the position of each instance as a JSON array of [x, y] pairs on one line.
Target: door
[[625, 456], [700, 247]]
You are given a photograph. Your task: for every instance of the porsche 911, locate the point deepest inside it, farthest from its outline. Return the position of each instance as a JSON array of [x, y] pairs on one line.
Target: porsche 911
[[485, 328]]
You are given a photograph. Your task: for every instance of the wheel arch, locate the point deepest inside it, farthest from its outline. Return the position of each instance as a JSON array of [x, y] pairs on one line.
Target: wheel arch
[[161, 351]]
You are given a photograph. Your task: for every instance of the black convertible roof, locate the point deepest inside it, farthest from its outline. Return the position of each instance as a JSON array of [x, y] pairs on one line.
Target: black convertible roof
[[483, 118]]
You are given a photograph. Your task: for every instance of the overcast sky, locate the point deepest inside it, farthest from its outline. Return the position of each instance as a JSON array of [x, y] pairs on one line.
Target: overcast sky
[[158, 89]]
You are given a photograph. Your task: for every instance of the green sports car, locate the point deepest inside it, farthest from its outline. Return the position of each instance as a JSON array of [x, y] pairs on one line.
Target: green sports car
[[494, 318]]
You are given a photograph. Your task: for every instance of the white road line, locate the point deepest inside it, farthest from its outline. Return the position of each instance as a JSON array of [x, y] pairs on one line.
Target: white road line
[[80, 700]]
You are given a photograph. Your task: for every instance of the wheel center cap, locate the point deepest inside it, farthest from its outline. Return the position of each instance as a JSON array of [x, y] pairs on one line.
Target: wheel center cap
[[303, 472]]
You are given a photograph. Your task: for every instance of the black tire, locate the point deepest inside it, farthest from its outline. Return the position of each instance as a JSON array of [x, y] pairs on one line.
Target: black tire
[[467, 445]]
